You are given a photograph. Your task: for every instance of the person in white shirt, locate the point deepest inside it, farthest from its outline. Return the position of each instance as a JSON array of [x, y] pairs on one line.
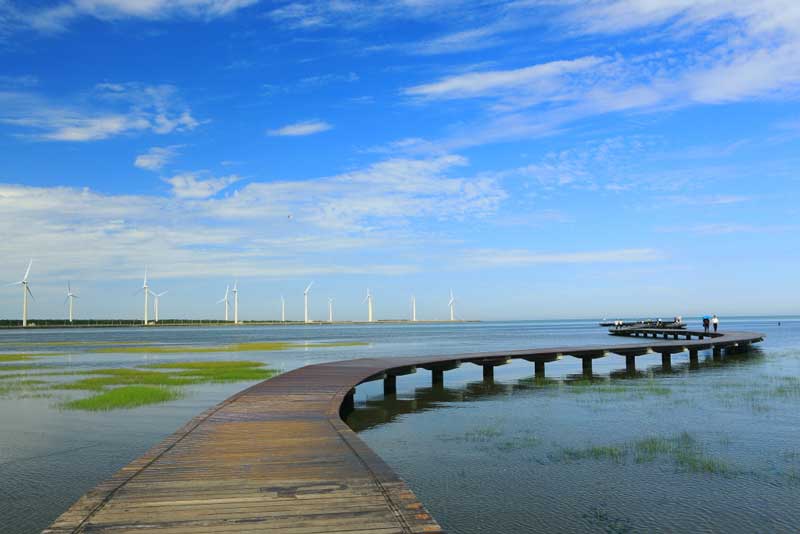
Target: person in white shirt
[[715, 322]]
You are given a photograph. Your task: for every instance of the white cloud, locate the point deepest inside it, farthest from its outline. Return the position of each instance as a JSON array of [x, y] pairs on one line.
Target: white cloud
[[115, 109], [190, 185], [286, 228], [301, 128], [155, 158], [522, 257], [688, 53], [58, 17], [543, 78]]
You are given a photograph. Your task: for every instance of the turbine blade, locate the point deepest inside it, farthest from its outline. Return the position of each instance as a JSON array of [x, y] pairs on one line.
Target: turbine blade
[[66, 299], [309, 287], [27, 287], [28, 271]]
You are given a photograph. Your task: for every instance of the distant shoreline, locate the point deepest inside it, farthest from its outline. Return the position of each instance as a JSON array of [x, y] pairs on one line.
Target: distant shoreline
[[51, 324]]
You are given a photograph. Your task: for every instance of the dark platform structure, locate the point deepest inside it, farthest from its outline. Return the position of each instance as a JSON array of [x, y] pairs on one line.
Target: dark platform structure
[[277, 457]]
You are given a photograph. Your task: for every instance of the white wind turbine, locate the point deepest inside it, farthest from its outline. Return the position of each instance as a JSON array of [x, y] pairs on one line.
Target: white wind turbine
[[305, 301], [146, 290], [225, 300], [413, 309], [236, 302], [70, 298], [368, 300], [330, 309], [156, 297], [26, 290], [452, 305], [283, 309]]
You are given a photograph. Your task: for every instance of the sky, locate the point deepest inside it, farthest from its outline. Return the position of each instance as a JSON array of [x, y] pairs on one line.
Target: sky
[[542, 159]]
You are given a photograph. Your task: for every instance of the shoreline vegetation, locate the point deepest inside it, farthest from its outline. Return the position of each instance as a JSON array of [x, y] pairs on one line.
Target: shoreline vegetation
[[42, 324], [155, 383]]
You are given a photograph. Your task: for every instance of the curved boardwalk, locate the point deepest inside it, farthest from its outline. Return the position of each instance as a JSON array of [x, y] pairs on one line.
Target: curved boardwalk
[[277, 457]]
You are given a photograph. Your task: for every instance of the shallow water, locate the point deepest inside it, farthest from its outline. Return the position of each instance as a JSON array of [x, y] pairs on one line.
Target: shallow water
[[713, 449], [481, 457]]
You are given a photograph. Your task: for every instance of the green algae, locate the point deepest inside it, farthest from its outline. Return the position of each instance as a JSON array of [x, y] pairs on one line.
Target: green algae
[[124, 397], [683, 450], [166, 376], [20, 387]]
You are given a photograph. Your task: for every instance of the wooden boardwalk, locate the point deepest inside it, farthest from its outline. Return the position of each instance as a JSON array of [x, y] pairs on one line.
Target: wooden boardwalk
[[277, 457]]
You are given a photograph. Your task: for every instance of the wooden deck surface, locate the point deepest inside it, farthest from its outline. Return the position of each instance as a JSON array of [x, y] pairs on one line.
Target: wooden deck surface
[[277, 457]]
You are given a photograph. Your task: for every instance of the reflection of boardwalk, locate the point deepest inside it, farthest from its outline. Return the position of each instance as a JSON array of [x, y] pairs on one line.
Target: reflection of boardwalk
[[278, 458]]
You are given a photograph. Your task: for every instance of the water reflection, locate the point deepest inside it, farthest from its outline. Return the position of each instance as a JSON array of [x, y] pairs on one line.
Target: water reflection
[[380, 410]]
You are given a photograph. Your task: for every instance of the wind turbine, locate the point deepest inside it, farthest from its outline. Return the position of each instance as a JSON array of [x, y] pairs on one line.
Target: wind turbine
[[368, 300], [305, 299], [413, 309], [26, 290], [236, 302], [283, 309], [146, 290], [330, 309], [225, 300], [452, 305], [157, 296], [70, 297]]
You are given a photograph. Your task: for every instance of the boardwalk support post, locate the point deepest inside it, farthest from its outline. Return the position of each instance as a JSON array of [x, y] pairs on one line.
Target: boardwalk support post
[[538, 369], [666, 361], [587, 366], [437, 377], [693, 360], [630, 364], [717, 353], [390, 385], [488, 372]]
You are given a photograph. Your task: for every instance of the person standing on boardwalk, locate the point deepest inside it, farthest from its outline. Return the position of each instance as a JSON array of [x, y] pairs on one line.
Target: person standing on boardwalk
[[715, 322], [705, 323]]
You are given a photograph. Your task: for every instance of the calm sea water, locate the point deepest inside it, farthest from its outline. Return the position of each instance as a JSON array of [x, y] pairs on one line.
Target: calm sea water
[[510, 456]]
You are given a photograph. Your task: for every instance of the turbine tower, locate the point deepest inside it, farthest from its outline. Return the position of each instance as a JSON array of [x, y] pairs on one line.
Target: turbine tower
[[236, 302], [330, 309], [305, 299], [413, 309], [156, 296], [283, 309], [26, 290], [146, 290], [225, 300], [368, 300], [70, 297], [452, 305]]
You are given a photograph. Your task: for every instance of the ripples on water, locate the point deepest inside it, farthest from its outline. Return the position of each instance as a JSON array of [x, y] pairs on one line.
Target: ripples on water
[[513, 456]]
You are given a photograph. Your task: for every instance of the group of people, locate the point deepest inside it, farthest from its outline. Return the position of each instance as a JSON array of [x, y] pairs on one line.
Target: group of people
[[710, 321]]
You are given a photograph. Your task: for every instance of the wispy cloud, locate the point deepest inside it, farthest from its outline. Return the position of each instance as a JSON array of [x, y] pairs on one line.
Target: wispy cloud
[[545, 79], [262, 228], [58, 17], [116, 109], [301, 128], [522, 257], [194, 185], [156, 157]]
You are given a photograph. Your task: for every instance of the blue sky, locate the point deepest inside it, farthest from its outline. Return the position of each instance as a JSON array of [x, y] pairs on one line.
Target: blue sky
[[541, 158]]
